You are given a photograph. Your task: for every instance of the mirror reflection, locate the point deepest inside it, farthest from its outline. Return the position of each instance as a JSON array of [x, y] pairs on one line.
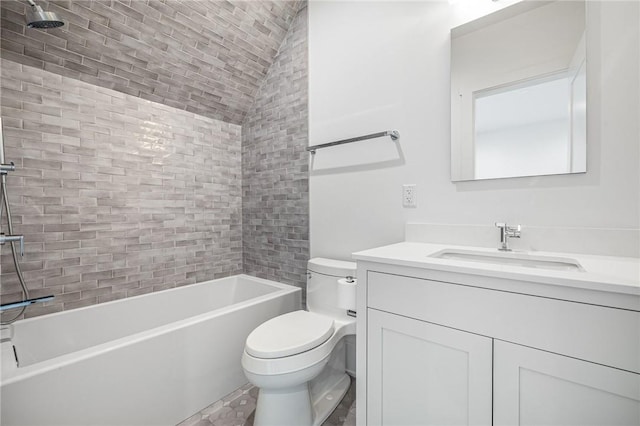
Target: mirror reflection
[[518, 92]]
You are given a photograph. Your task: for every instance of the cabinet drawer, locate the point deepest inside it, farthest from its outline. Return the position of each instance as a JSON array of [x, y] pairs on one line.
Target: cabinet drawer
[[608, 336]]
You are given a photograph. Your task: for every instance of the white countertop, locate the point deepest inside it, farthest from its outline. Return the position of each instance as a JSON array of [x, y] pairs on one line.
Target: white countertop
[[603, 273]]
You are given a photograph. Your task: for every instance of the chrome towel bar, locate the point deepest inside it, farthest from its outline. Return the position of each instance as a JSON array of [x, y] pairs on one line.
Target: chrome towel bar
[[394, 134]]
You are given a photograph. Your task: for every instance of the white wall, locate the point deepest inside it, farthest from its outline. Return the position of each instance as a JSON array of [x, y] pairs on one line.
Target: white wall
[[385, 65]]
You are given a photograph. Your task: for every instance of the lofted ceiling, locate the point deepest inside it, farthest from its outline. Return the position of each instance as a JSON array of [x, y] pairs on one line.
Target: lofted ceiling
[[204, 56]]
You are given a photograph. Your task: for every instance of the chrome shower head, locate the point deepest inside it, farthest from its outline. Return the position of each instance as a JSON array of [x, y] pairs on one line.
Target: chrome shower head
[[39, 19]]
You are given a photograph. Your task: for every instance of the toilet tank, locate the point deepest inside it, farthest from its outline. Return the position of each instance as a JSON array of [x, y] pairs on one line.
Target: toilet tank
[[322, 285]]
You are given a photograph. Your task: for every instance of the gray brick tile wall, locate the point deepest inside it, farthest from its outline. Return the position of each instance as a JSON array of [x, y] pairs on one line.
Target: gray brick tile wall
[[119, 196], [275, 186], [116, 196], [205, 57]]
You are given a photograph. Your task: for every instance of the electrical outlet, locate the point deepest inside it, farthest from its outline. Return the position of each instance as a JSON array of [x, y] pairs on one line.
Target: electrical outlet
[[409, 195]]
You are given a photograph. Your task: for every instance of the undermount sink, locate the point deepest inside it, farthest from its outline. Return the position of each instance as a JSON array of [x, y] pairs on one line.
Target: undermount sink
[[511, 259]]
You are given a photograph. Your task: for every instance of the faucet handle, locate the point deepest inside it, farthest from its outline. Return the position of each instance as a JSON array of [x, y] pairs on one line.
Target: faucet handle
[[501, 225], [11, 238]]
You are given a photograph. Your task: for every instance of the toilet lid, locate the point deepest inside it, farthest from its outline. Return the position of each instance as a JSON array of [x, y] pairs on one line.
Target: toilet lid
[[289, 334]]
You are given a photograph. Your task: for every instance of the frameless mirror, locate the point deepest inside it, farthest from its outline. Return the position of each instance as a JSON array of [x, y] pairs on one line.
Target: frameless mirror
[[518, 92]]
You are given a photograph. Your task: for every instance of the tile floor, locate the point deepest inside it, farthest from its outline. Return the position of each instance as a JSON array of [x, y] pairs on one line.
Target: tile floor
[[237, 408]]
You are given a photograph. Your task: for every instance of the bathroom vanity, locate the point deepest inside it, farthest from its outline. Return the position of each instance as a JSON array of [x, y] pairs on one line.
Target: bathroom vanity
[[459, 335]]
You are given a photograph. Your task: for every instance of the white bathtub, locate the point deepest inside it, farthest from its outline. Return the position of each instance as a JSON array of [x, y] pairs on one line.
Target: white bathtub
[[154, 359]]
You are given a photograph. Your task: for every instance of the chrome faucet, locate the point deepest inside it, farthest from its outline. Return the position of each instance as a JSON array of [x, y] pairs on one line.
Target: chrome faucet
[[11, 238], [507, 232]]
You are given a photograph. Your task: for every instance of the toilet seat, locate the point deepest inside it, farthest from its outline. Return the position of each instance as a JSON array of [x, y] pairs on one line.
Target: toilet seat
[[300, 361], [289, 334]]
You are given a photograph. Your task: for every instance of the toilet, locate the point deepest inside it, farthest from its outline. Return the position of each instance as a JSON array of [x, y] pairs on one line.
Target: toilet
[[298, 360]]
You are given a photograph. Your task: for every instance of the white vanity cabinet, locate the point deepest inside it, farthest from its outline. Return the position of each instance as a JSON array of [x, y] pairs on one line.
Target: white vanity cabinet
[[422, 373], [536, 387], [449, 348]]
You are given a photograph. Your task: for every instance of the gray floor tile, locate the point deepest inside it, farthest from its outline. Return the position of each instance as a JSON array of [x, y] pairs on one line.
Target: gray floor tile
[[238, 408]]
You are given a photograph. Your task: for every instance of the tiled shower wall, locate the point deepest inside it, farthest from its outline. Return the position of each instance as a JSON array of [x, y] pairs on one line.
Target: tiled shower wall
[[207, 57], [275, 186], [116, 195], [120, 196]]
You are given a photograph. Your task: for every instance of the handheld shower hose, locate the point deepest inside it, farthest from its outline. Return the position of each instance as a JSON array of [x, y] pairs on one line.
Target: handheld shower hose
[[4, 203]]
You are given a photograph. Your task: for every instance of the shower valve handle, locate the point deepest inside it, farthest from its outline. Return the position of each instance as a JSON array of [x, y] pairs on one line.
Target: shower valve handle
[[5, 168], [11, 238]]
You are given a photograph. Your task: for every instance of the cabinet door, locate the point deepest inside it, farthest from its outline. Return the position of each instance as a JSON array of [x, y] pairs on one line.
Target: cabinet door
[[534, 387], [424, 374]]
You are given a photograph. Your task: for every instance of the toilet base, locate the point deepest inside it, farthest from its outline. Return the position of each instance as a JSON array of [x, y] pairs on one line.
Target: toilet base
[[290, 408], [302, 398], [324, 405], [295, 407]]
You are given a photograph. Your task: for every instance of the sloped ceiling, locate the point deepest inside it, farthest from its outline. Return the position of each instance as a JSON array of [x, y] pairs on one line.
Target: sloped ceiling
[[204, 56]]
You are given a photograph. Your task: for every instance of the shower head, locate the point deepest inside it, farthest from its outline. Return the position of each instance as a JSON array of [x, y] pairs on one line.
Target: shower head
[[39, 19]]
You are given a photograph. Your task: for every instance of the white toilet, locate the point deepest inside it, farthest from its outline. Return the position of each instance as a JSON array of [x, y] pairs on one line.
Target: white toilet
[[298, 359]]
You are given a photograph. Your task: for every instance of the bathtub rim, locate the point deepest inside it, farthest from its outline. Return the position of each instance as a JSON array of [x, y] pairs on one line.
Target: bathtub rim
[[15, 374]]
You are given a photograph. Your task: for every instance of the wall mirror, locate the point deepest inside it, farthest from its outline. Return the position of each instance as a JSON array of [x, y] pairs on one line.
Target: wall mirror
[[518, 92]]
